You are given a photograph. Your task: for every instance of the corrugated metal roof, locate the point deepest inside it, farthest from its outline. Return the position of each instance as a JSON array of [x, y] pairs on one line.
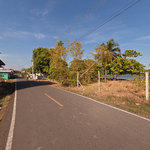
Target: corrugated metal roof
[[1, 63], [6, 70]]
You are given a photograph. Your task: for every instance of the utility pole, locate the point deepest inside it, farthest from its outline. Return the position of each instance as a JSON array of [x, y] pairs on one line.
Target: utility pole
[[147, 86], [32, 70], [77, 79], [99, 80]]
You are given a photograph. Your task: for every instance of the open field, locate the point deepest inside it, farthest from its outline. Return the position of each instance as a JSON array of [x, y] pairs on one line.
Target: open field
[[6, 90], [127, 95]]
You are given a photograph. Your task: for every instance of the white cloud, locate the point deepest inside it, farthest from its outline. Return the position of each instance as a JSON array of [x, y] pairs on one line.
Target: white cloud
[[147, 37], [55, 37], [39, 35], [10, 33], [39, 13], [45, 12], [42, 12]]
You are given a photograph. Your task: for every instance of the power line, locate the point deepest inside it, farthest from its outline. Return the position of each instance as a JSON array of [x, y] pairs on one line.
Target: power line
[[113, 16], [23, 65], [107, 20], [89, 13]]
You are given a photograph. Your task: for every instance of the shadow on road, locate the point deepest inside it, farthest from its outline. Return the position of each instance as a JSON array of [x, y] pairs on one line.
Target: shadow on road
[[23, 84], [6, 88]]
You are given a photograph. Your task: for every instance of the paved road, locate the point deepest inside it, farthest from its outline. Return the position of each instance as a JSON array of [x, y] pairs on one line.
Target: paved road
[[48, 118]]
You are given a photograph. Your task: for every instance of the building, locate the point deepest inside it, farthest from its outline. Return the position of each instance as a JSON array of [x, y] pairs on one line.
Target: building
[[2, 64], [5, 73]]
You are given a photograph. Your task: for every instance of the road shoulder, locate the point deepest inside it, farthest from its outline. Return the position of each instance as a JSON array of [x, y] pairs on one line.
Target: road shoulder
[[5, 123]]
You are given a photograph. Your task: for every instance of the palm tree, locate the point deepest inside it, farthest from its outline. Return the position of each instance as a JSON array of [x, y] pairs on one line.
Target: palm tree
[[105, 53], [113, 47], [59, 43], [103, 56]]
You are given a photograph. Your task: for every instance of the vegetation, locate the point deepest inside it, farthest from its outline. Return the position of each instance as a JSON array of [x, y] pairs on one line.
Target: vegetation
[[6, 89], [41, 59], [106, 53], [62, 63], [127, 95]]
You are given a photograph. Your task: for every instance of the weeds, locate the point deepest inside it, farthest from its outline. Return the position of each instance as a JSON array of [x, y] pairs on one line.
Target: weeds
[[126, 95]]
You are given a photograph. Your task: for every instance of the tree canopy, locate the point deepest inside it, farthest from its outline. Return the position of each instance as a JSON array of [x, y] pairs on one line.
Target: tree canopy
[[108, 59], [41, 59]]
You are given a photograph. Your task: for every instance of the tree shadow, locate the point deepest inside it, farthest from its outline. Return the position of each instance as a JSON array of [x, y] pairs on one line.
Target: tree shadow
[[6, 88], [23, 84]]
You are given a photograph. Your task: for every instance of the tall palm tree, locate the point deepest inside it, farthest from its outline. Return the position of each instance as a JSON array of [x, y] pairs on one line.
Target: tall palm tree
[[59, 43], [113, 47], [106, 52], [104, 56]]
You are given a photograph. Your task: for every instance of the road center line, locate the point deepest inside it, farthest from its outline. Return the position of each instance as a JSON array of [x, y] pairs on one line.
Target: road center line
[[12, 125], [54, 100]]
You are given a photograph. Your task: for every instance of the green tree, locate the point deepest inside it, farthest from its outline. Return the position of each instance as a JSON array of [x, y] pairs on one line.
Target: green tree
[[113, 47], [87, 69], [131, 53], [76, 65], [121, 66], [41, 59], [117, 67], [91, 70], [133, 67], [103, 56], [59, 43], [58, 69], [105, 53], [29, 70]]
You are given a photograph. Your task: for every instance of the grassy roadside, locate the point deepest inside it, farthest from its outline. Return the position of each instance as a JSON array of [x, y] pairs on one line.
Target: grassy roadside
[[127, 95], [6, 90]]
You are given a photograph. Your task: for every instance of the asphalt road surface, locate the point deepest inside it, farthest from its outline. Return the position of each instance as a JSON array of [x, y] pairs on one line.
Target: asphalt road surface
[[48, 118]]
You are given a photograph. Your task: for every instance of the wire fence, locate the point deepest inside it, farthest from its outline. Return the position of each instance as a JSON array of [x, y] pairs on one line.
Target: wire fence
[[98, 80]]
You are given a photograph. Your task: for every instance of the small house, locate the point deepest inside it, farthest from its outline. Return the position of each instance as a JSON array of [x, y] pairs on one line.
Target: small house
[[5, 73], [2, 63]]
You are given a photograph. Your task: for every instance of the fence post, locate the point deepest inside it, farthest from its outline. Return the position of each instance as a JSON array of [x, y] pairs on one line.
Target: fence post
[[77, 79], [99, 80], [147, 86]]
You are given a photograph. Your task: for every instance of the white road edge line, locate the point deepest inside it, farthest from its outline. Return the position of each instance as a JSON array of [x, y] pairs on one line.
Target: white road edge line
[[105, 104], [11, 130]]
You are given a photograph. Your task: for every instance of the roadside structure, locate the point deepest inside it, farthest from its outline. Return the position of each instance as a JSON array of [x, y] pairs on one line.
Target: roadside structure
[[2, 63], [5, 73]]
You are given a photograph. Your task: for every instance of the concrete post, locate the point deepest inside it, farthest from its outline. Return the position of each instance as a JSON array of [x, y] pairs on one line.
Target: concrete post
[[32, 70], [98, 80], [77, 79], [147, 86]]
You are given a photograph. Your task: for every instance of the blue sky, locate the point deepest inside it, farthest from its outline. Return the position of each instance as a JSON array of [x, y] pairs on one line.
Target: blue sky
[[28, 24]]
